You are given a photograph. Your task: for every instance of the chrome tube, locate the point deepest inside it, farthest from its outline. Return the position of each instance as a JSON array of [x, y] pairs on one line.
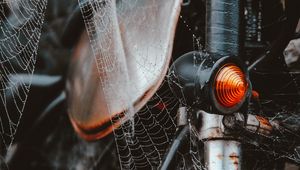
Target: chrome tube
[[222, 150], [222, 154]]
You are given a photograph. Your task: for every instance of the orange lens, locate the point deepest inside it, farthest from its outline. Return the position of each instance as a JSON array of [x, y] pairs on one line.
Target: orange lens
[[230, 85]]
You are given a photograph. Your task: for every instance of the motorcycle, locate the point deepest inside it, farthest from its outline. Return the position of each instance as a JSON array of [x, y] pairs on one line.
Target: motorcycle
[[229, 111]]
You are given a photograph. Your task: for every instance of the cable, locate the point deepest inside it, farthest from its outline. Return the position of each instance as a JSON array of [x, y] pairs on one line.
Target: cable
[[177, 143]]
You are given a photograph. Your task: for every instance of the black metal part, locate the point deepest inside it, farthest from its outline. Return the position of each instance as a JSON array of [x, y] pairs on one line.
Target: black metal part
[[191, 78], [223, 27], [182, 77]]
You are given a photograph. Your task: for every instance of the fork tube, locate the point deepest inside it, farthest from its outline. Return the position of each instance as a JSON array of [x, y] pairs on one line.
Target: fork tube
[[223, 36], [222, 154], [223, 26]]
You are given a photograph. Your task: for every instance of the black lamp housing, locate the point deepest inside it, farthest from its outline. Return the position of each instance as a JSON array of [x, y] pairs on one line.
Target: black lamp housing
[[191, 78]]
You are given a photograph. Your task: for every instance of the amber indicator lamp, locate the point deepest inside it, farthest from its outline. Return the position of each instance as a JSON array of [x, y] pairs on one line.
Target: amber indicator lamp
[[218, 84], [230, 85]]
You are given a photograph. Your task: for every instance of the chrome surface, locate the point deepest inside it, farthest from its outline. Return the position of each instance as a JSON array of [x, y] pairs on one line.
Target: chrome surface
[[211, 126], [139, 46], [222, 150], [182, 116], [222, 154]]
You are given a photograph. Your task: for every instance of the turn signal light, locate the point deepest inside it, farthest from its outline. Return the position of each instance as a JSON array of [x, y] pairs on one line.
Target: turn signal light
[[230, 85], [217, 84]]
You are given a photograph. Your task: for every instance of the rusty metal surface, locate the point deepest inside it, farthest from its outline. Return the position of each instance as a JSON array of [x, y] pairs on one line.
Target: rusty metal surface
[[219, 126], [139, 58], [223, 154]]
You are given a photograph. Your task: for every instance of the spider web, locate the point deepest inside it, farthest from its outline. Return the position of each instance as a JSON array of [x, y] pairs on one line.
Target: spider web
[[142, 141], [143, 138], [20, 29]]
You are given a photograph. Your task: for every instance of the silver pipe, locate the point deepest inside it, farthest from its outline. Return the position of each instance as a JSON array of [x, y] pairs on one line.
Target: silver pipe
[[222, 154]]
